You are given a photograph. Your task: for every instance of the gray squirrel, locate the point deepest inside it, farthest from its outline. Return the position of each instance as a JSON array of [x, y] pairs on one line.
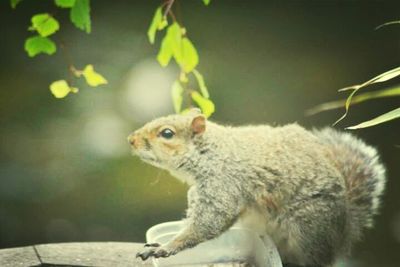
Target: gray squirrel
[[313, 192]]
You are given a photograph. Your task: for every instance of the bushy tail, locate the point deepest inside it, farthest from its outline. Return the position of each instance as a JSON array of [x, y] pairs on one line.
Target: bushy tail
[[363, 173]]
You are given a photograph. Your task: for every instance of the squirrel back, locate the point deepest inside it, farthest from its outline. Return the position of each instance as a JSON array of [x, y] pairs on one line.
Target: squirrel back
[[363, 172]]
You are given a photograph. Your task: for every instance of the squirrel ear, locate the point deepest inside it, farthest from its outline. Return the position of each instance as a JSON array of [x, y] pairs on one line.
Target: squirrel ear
[[198, 124]]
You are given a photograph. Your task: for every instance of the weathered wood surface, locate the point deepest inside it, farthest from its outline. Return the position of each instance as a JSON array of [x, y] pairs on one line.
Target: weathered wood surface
[[107, 254], [13, 257]]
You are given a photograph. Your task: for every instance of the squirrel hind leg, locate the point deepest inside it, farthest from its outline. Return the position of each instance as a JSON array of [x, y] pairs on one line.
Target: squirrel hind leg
[[317, 238]]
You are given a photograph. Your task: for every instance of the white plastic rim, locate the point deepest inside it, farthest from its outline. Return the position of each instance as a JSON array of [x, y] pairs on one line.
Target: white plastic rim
[[155, 231], [236, 244]]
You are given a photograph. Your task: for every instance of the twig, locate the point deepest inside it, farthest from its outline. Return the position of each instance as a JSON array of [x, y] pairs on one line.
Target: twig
[[68, 60], [168, 8]]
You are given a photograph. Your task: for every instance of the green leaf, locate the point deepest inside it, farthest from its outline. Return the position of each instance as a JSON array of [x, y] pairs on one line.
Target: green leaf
[[177, 96], [174, 35], [387, 24], [14, 3], [190, 58], [158, 23], [390, 92], [377, 79], [206, 2], [383, 77], [80, 15], [92, 77], [65, 3], [206, 105], [201, 83], [347, 106], [183, 77], [61, 89], [170, 45], [45, 24], [165, 54], [391, 115], [37, 44], [162, 24], [181, 49]]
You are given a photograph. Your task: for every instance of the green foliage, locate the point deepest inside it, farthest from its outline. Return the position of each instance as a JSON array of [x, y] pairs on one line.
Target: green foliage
[[64, 3], [387, 24], [206, 106], [44, 24], [201, 83], [80, 15], [176, 44], [189, 57], [389, 92], [171, 45], [377, 79], [165, 53], [14, 3], [391, 115], [183, 51], [177, 98], [38, 44], [61, 89], [353, 99], [92, 78], [158, 23], [183, 78]]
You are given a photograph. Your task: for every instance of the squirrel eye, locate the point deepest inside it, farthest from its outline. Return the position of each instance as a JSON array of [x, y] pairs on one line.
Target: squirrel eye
[[167, 133]]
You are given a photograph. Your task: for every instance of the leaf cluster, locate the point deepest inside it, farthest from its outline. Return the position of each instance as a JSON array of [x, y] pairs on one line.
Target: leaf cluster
[[45, 25], [176, 45], [61, 88], [354, 99]]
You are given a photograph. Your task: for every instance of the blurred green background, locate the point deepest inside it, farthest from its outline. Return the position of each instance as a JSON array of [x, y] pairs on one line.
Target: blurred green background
[[66, 173]]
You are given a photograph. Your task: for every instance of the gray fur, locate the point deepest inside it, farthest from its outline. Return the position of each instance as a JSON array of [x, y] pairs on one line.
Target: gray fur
[[312, 192]]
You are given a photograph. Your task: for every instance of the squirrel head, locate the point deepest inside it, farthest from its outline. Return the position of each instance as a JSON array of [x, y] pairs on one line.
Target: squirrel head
[[166, 141]]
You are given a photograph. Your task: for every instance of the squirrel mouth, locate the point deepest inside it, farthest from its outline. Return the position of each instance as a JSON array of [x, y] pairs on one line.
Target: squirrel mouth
[[147, 158]]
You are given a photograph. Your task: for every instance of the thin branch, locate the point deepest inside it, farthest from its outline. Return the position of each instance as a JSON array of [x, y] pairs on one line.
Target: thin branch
[[168, 8], [67, 58]]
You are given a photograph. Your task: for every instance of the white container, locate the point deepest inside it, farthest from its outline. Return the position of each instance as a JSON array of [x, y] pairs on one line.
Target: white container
[[235, 245]]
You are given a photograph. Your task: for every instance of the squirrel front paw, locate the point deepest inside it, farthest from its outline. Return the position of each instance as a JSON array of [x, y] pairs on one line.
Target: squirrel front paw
[[155, 250], [155, 245]]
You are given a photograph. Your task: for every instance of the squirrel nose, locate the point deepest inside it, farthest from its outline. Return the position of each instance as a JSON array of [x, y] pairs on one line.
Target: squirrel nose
[[132, 139]]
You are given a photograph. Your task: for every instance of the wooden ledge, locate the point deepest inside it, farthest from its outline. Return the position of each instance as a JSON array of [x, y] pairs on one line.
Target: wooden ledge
[[118, 254]]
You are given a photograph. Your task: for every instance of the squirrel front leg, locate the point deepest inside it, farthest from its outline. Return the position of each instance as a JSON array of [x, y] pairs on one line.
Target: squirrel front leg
[[210, 215]]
